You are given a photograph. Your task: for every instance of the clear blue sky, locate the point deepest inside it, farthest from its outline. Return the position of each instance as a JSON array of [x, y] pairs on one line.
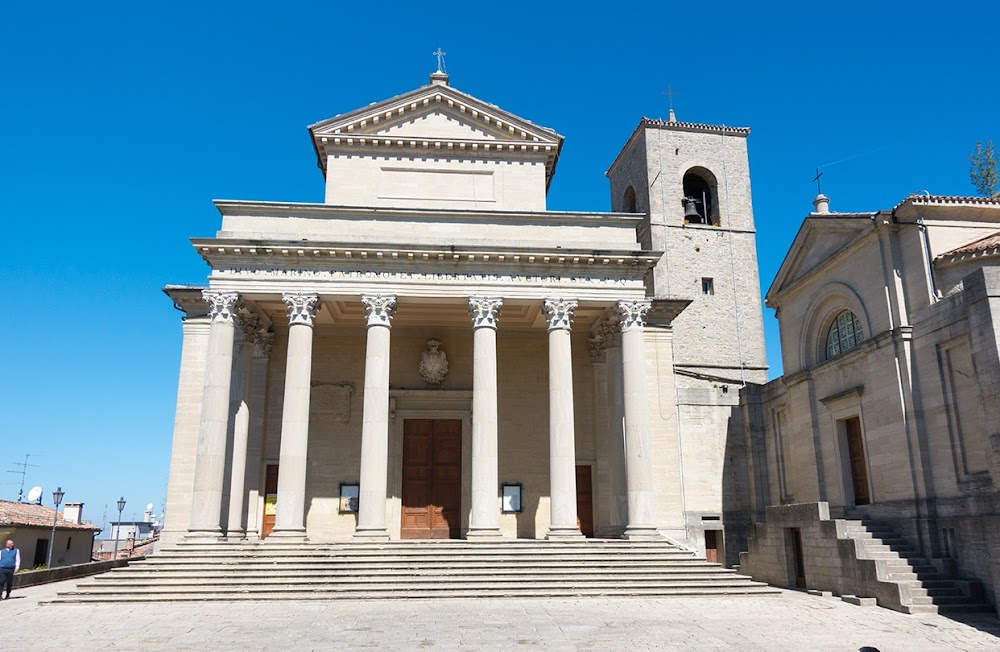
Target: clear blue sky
[[122, 121]]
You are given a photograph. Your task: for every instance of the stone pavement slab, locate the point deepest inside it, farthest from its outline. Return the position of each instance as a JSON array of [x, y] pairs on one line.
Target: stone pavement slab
[[793, 621]]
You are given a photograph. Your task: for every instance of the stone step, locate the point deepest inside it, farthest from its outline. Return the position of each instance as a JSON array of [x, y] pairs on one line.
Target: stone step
[[422, 557], [189, 572], [969, 607], [755, 590], [196, 572], [397, 582], [377, 579]]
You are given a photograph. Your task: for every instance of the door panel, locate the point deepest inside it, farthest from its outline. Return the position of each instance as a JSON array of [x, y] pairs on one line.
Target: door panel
[[270, 500], [432, 479], [859, 470], [584, 500]]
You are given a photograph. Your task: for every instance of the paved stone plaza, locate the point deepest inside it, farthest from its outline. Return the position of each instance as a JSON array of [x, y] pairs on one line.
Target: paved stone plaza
[[794, 621]]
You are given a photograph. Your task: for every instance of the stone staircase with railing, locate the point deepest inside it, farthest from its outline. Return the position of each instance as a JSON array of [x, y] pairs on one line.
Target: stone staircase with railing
[[425, 569]]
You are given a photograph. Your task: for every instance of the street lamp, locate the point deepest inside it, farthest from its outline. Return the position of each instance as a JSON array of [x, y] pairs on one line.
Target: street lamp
[[57, 497], [121, 507]]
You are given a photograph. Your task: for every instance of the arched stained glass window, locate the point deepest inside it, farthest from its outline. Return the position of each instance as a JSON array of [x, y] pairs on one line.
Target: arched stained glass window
[[845, 334]]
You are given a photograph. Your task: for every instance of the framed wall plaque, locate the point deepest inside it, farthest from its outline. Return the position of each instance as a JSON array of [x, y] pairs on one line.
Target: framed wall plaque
[[511, 498], [349, 498]]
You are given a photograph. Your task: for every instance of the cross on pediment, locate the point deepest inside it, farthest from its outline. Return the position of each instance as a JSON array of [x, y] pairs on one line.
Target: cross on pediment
[[440, 57]]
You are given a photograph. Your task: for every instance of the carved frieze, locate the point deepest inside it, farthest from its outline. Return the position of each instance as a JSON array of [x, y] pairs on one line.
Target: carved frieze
[[302, 308]]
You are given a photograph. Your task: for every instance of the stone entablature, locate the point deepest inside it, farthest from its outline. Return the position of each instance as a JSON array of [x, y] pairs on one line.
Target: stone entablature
[[417, 227]]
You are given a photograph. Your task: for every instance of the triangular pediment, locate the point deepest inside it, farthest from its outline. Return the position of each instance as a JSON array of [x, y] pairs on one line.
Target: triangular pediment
[[440, 118], [436, 111], [818, 240]]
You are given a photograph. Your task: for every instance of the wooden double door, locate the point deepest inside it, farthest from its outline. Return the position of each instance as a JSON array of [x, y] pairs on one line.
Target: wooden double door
[[432, 479]]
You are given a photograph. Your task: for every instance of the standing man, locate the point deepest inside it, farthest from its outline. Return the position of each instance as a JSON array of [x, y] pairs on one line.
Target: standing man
[[10, 563]]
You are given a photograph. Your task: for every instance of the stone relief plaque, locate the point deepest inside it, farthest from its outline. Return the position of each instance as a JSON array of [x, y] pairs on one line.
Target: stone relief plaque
[[332, 401], [433, 363]]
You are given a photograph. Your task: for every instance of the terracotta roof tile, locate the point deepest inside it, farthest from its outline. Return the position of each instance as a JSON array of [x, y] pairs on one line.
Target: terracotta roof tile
[[948, 200], [694, 126], [988, 243], [32, 515]]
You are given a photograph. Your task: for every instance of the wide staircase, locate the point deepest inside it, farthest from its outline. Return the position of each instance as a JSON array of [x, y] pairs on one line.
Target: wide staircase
[[930, 584], [424, 569]]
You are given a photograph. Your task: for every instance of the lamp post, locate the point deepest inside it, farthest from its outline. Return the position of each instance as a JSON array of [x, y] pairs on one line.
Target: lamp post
[[57, 497], [121, 507]]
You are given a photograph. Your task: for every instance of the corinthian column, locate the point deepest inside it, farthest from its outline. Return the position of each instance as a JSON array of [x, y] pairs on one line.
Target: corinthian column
[[210, 464], [484, 522], [289, 519], [562, 431], [240, 427], [375, 420], [638, 456]]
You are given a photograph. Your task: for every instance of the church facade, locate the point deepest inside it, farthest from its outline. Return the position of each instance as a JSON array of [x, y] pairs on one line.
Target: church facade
[[430, 353], [887, 409]]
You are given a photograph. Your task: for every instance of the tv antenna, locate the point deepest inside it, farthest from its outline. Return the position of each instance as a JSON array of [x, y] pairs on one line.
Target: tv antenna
[[24, 471]]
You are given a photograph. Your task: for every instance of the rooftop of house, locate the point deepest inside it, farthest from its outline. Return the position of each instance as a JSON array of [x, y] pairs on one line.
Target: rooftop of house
[[14, 514]]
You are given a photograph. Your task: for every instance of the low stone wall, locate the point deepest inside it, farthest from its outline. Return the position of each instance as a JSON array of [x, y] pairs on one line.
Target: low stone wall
[[31, 578], [832, 559]]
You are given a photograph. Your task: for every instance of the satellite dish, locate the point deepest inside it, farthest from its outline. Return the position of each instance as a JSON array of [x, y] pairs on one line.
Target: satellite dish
[[34, 494], [149, 507]]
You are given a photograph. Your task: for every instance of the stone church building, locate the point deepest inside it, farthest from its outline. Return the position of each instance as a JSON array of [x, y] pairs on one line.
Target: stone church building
[[888, 411], [430, 353]]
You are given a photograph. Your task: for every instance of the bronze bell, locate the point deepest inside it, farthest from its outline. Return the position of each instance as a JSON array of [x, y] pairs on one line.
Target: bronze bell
[[691, 213]]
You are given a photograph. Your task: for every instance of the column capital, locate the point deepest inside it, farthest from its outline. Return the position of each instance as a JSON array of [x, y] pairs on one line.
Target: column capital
[[610, 331], [633, 313], [559, 313], [379, 308], [301, 307], [248, 324], [485, 311], [262, 343], [597, 348], [222, 306]]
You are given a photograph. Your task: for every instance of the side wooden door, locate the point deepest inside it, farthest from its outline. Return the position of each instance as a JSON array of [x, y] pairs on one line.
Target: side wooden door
[[270, 500], [584, 500], [859, 470]]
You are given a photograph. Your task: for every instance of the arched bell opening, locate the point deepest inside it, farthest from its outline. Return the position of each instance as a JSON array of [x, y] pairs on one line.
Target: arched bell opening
[[700, 195]]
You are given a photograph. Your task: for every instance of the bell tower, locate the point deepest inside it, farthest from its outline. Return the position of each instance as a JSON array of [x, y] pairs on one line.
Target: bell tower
[[692, 182]]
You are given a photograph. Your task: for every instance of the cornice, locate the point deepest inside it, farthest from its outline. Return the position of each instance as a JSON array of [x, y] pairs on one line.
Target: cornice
[[253, 253]]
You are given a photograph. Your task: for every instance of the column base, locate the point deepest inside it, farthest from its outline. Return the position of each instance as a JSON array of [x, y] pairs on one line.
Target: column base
[[483, 534], [565, 534], [236, 535], [204, 536], [290, 534], [375, 535], [640, 533]]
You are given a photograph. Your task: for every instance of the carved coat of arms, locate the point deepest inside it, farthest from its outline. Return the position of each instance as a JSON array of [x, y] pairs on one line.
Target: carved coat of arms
[[433, 363]]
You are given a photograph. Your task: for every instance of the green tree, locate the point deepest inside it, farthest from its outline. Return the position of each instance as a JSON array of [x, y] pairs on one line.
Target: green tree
[[984, 170]]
